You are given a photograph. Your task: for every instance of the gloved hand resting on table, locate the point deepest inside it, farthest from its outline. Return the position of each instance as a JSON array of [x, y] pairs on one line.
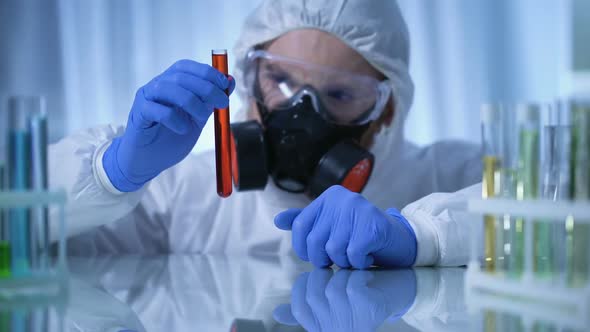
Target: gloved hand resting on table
[[164, 123], [341, 227]]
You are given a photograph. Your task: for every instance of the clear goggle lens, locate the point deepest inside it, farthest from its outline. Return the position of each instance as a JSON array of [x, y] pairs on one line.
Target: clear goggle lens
[[348, 98]]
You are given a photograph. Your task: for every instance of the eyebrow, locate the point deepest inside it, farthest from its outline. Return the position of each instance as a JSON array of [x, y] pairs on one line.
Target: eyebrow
[[273, 66]]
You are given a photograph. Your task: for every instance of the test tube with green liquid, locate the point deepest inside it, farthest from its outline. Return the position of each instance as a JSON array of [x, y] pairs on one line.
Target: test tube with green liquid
[[4, 229], [491, 141], [24, 232], [509, 175], [578, 234], [527, 182]]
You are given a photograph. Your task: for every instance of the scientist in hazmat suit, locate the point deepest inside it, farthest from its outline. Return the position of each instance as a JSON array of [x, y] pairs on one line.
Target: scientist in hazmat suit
[[328, 91]]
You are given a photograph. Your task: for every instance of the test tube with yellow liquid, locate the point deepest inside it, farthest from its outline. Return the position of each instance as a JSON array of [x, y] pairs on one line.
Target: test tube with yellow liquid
[[491, 130]]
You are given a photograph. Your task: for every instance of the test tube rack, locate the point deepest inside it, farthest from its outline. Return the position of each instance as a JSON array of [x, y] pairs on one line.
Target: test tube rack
[[53, 283], [532, 298]]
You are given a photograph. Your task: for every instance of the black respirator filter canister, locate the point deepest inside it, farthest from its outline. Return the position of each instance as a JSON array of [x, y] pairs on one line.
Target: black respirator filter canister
[[249, 162], [346, 164]]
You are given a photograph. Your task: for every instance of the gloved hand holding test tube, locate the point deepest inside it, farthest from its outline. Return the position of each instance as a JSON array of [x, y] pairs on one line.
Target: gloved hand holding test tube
[[166, 120]]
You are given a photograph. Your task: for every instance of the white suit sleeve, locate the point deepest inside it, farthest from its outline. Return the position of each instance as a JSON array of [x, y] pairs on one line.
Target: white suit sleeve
[[75, 165], [442, 233]]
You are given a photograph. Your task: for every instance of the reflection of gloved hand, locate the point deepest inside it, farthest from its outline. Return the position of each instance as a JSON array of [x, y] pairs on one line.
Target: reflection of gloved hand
[[165, 122], [343, 228], [348, 300]]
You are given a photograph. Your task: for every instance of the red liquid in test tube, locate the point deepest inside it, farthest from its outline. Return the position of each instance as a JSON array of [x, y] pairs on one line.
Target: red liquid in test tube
[[222, 133]]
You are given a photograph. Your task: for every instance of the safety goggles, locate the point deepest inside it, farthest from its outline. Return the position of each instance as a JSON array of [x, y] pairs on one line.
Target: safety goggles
[[348, 98]]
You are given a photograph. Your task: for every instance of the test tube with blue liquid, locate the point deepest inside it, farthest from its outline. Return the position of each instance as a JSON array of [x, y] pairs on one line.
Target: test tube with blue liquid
[[24, 231], [18, 179]]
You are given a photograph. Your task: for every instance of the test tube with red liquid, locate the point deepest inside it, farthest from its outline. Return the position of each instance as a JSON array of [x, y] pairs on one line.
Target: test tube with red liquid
[[222, 133]]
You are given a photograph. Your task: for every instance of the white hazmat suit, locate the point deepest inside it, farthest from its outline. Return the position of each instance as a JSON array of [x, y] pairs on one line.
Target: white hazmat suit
[[179, 211]]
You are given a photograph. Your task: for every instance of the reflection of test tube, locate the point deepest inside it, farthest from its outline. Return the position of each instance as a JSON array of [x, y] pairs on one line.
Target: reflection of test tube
[[491, 140], [222, 133], [579, 233], [5, 321]]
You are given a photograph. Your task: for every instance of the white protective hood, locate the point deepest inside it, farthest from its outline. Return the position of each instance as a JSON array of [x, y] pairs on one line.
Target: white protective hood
[[376, 30]]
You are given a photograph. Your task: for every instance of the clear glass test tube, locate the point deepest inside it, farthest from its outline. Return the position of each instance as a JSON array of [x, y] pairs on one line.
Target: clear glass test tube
[[491, 142], [555, 152], [555, 183], [39, 232]]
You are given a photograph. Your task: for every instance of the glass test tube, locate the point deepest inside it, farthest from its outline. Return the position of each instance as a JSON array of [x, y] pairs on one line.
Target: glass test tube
[[4, 229], [18, 179], [555, 179], [579, 233], [25, 231], [39, 181], [528, 186], [527, 182], [491, 138], [555, 153], [528, 120], [222, 133], [508, 184]]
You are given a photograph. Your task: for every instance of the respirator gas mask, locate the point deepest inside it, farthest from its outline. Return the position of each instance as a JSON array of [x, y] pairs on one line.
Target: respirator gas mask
[[313, 118]]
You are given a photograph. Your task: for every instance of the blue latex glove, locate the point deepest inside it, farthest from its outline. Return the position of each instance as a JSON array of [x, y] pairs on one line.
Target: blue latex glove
[[165, 121], [348, 300], [343, 228]]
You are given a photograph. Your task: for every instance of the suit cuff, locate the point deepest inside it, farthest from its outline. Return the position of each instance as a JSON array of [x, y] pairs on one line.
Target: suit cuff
[[100, 173], [426, 237]]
